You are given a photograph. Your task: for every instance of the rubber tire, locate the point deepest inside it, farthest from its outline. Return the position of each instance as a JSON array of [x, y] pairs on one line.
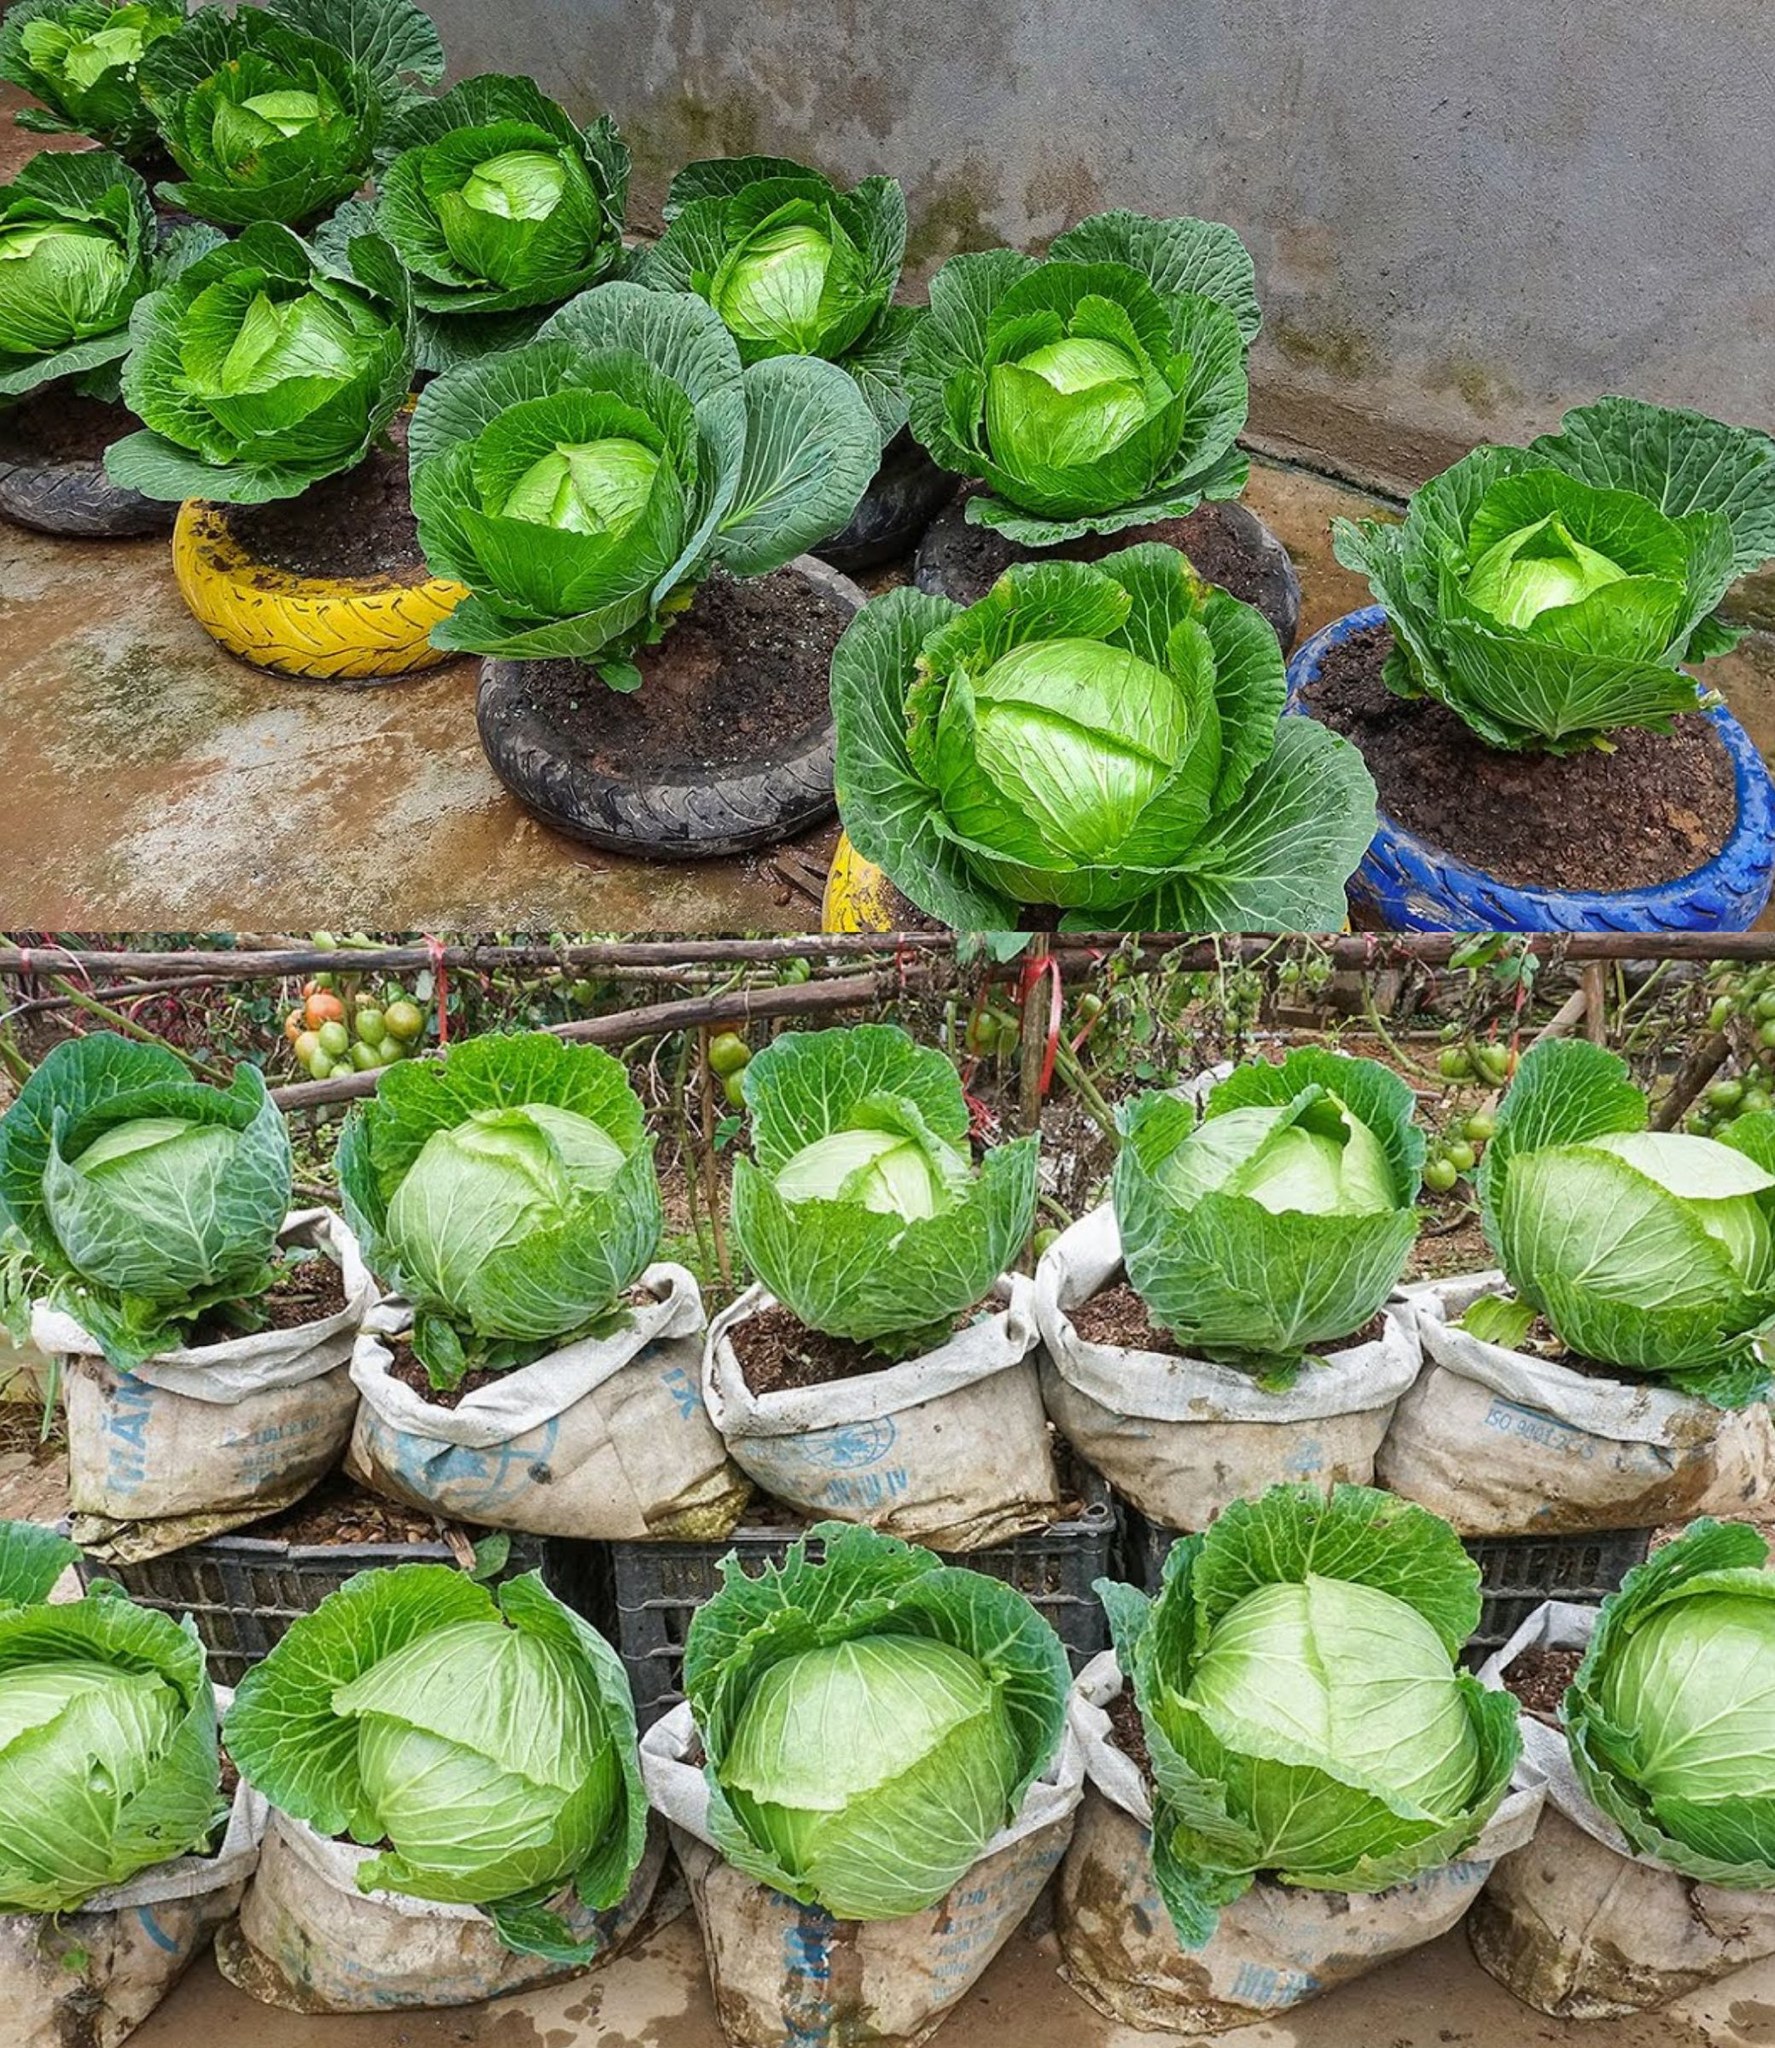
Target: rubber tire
[[77, 501], [739, 812], [905, 495], [1404, 884], [1272, 585], [310, 628]]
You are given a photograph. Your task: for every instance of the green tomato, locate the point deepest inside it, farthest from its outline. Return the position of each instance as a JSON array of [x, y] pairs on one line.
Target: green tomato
[[728, 1053], [1720, 1015], [1481, 1126], [390, 1050], [335, 1040], [405, 1020], [1089, 1007], [1460, 1155], [795, 971], [1439, 1175], [1726, 1094], [1765, 1006], [308, 1047], [1044, 1239], [734, 1089], [1766, 1033], [371, 1025], [1453, 1064], [1755, 1100], [1493, 1062], [363, 1056]]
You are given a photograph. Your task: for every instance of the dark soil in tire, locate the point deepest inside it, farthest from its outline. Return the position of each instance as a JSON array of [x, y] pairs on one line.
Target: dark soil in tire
[[907, 492], [726, 746], [1653, 810], [353, 527], [1225, 541], [52, 469]]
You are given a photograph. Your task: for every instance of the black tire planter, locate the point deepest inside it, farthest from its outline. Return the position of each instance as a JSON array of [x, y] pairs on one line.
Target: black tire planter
[[907, 492], [1233, 547], [665, 815], [70, 495]]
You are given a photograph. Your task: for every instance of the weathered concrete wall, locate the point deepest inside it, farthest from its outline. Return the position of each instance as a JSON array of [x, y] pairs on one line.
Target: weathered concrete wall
[[1465, 216]]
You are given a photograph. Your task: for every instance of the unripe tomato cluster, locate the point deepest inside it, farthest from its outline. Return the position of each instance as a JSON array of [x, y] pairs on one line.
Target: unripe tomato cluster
[[729, 1057], [344, 1026], [1491, 1064], [992, 1032], [1743, 1008], [1456, 1148]]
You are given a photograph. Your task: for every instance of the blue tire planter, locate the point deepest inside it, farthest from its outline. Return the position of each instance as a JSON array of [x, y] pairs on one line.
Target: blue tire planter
[[1406, 885]]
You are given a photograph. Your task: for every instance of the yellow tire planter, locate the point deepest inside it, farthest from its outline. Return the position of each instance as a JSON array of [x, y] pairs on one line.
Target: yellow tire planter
[[859, 897], [320, 628]]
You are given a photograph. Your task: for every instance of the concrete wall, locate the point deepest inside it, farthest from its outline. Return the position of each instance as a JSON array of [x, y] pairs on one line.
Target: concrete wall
[[1466, 214]]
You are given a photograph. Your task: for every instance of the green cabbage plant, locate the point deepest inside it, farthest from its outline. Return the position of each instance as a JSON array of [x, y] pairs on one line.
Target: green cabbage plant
[[108, 1760], [79, 57], [77, 250], [584, 485], [1548, 595], [274, 112], [485, 1742], [1278, 1218], [1652, 1250], [143, 1199], [869, 1722], [794, 266], [501, 209], [261, 369], [507, 1189], [1104, 737], [1103, 387], [1671, 1717], [1304, 1714], [860, 1208]]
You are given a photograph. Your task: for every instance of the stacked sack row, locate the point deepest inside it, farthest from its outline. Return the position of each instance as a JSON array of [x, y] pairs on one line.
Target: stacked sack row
[[1224, 1342]]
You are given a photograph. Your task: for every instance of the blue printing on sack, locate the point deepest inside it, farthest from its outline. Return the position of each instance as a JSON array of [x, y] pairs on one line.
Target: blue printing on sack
[[1406, 885]]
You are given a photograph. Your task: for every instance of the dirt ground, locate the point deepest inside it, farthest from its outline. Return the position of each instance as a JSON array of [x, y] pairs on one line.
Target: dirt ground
[[658, 1997]]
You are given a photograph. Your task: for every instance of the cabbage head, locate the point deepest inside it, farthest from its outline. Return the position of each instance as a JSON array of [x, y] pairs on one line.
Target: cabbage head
[[869, 1721], [1304, 1714], [143, 1198], [488, 1740], [1671, 1717], [860, 1208], [507, 1189], [501, 209], [1106, 738], [1280, 1218], [1550, 594], [584, 485], [1653, 1250], [261, 369], [79, 57], [795, 266], [273, 113], [1100, 388], [108, 1760]]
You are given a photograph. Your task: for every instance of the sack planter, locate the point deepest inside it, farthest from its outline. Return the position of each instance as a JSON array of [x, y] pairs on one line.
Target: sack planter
[[1225, 541], [1502, 1443], [199, 1441], [1406, 884], [1276, 1948], [1181, 1438], [286, 586], [949, 1450], [650, 772], [786, 1972], [52, 470], [905, 493], [308, 1940], [604, 1439], [89, 1978], [1574, 1923]]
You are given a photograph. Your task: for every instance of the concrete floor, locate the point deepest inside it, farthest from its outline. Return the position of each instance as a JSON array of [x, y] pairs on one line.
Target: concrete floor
[[657, 1997]]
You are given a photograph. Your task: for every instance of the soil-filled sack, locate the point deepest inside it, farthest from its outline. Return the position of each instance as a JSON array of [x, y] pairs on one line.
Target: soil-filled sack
[[308, 1940], [1502, 1443], [1274, 1948], [1183, 1437], [949, 1449], [203, 1440], [606, 1439], [1576, 1924], [90, 1978], [784, 1972]]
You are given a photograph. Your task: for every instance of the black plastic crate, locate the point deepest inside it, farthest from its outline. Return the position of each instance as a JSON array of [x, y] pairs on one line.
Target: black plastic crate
[[243, 1591], [642, 1595], [1516, 1573]]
